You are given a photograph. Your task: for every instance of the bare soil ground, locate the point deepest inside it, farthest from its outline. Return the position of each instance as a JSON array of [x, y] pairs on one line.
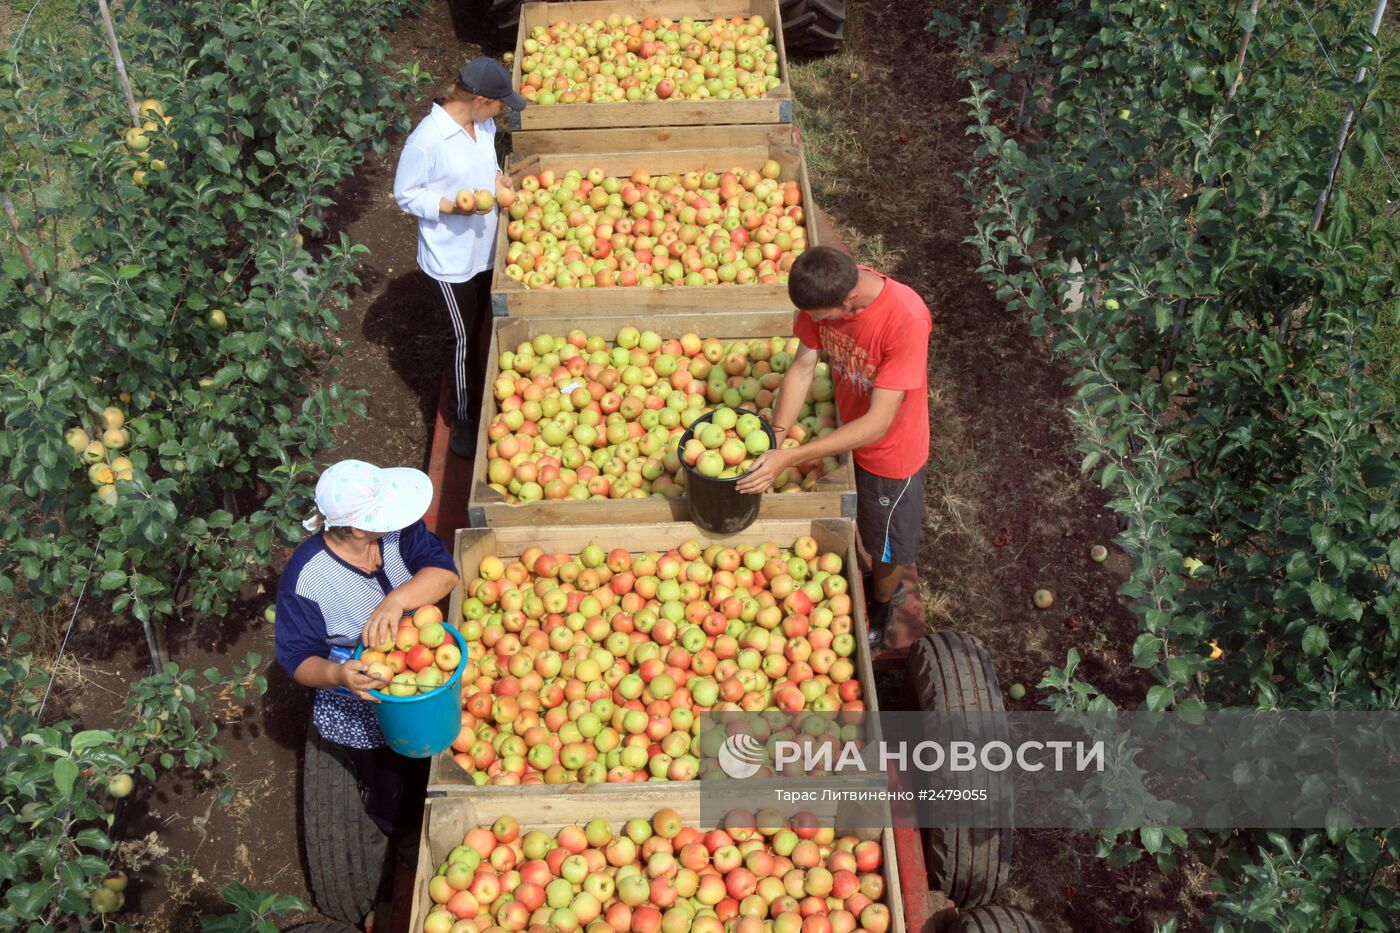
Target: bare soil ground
[[1007, 510]]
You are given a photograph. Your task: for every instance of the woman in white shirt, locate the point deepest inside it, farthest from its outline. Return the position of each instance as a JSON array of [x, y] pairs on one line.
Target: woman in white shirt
[[454, 149]]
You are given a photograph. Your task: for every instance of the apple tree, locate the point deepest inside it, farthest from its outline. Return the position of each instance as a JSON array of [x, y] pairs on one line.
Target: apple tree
[[156, 267], [1187, 200]]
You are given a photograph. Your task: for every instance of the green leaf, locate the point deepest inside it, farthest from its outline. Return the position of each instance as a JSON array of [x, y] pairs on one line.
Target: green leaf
[[93, 838], [1323, 597], [1160, 697], [1314, 640], [27, 900], [65, 772], [1147, 650]]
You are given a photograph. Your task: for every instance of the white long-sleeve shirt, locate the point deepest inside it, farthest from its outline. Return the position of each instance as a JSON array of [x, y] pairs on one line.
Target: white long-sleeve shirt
[[440, 159]]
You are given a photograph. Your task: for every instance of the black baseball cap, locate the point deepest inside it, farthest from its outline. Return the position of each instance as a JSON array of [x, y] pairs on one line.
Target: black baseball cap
[[486, 77]]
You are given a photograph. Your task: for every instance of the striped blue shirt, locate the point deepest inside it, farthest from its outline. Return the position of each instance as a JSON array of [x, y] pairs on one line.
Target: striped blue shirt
[[322, 605]]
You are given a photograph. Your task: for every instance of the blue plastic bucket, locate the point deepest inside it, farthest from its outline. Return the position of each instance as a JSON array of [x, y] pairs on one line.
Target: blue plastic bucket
[[424, 724]]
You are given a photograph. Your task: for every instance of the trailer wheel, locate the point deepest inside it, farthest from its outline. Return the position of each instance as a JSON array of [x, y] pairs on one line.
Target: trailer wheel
[[346, 854], [952, 672], [996, 920], [813, 27]]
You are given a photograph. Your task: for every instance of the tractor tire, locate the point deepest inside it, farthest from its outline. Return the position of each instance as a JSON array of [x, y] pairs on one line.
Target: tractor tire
[[952, 672], [813, 27], [996, 920], [492, 24], [347, 857]]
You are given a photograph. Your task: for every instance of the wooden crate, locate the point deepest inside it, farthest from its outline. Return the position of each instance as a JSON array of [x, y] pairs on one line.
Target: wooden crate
[[834, 496], [446, 821], [666, 149], [472, 544], [775, 107]]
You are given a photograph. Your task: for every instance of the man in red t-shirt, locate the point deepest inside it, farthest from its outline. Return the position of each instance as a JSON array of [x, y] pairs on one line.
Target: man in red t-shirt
[[875, 333]]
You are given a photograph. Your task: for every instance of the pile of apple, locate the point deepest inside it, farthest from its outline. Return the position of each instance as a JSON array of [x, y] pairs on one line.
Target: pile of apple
[[623, 59], [581, 418], [759, 873], [727, 445], [96, 451], [421, 656], [698, 228], [148, 143], [594, 667]]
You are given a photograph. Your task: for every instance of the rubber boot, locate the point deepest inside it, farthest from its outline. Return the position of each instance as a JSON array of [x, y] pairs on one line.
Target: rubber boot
[[880, 616]]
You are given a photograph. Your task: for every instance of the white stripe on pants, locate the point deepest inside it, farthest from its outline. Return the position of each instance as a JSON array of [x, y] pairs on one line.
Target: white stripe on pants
[[467, 306]]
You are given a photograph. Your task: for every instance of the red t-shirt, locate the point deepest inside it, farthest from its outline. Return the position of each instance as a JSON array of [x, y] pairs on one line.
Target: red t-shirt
[[885, 346]]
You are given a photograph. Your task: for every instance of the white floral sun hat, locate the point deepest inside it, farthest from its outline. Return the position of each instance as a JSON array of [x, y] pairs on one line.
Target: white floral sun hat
[[355, 494]]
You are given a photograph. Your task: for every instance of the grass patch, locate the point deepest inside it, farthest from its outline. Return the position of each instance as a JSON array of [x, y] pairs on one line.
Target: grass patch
[[48, 18], [832, 108], [1373, 182]]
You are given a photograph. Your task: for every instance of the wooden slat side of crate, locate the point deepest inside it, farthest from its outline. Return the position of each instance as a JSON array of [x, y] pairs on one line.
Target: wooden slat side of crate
[[623, 152], [446, 821], [472, 544], [833, 497], [774, 107]]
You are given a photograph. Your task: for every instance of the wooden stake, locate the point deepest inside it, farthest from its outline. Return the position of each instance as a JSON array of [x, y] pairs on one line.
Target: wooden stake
[[117, 58], [24, 254], [1325, 196], [1239, 59]]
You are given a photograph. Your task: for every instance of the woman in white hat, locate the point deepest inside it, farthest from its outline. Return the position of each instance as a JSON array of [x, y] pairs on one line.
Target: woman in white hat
[[371, 561]]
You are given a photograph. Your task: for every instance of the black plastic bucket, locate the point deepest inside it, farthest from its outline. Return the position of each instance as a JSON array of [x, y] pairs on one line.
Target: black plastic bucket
[[715, 505]]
